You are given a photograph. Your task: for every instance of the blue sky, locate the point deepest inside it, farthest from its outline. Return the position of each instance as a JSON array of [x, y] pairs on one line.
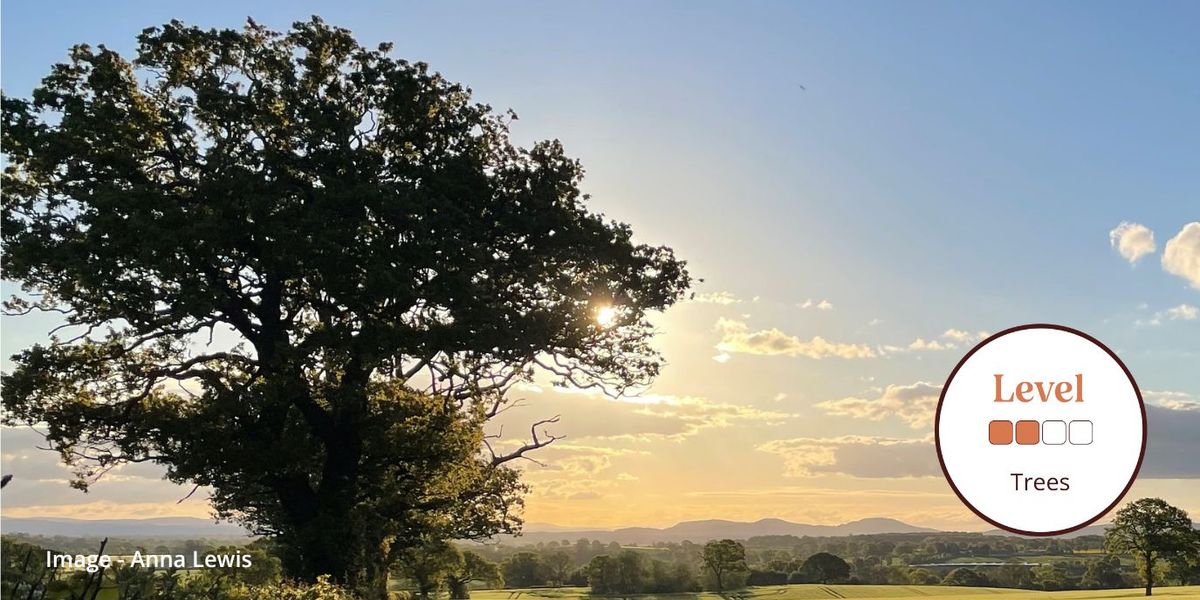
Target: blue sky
[[921, 166]]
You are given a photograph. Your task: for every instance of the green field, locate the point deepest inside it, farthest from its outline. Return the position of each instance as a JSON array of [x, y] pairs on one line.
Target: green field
[[820, 592]]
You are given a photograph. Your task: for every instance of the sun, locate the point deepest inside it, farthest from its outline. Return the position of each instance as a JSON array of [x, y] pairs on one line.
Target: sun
[[606, 316]]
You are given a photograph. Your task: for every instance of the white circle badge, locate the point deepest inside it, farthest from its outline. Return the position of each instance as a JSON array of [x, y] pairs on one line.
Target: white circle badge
[[1040, 429]]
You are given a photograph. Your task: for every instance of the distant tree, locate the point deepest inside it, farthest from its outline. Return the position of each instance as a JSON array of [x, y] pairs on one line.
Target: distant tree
[[782, 564], [603, 574], [923, 577], [583, 551], [963, 576], [633, 573], [766, 577], [1014, 576], [1102, 573], [472, 568], [1185, 569], [824, 567], [722, 559], [1051, 577], [266, 243], [1152, 531], [428, 566], [671, 578], [524, 569], [558, 566]]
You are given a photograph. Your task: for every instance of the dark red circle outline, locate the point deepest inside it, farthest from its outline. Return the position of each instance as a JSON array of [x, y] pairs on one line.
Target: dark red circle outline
[[937, 421]]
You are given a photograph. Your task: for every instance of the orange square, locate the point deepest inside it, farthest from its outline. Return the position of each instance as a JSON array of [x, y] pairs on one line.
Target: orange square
[[1000, 433], [1028, 433]]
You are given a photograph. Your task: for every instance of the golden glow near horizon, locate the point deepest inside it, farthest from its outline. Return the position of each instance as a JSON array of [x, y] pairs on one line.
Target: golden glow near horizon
[[782, 422]]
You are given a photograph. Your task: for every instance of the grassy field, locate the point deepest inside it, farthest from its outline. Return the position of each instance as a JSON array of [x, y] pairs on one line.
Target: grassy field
[[820, 592]]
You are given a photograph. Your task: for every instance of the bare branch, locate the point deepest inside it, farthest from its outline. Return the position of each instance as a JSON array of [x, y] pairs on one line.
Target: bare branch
[[538, 442]]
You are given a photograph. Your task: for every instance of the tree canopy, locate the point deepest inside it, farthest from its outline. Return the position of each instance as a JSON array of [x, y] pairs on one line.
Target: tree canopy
[[824, 567], [725, 560], [304, 273]]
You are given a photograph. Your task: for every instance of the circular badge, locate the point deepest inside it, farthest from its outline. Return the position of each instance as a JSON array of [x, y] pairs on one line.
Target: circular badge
[[1040, 429]]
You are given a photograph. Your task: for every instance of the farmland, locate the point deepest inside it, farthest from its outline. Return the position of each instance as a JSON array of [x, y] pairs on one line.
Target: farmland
[[820, 592]]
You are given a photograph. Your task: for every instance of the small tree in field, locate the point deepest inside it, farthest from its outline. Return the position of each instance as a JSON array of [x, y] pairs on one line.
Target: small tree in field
[[725, 560], [304, 274], [558, 565], [824, 567], [524, 569], [1152, 531]]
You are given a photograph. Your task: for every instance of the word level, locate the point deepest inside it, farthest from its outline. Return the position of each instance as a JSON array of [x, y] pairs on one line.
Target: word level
[[1028, 391], [1029, 433]]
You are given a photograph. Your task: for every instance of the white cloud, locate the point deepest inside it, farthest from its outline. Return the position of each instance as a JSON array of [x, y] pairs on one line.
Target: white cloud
[[1132, 241], [1181, 255], [914, 404], [722, 357], [737, 337]]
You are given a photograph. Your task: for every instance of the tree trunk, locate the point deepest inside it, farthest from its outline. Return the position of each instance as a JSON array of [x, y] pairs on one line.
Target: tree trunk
[[328, 541], [1148, 560]]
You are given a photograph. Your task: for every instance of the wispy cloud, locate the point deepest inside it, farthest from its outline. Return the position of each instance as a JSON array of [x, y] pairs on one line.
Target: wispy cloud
[[1183, 312], [914, 404], [819, 305], [737, 337], [950, 339], [722, 298], [855, 455], [1172, 400]]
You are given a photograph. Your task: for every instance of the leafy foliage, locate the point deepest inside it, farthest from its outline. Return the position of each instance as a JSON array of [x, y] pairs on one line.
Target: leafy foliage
[[966, 577], [304, 274], [725, 560], [429, 566], [824, 567], [473, 568], [524, 569]]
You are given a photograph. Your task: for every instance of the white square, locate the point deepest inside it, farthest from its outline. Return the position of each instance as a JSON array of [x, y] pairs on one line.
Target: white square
[[1081, 433], [1054, 433]]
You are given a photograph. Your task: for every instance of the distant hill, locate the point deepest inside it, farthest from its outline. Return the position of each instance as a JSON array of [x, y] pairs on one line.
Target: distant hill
[[696, 531], [703, 531], [162, 527]]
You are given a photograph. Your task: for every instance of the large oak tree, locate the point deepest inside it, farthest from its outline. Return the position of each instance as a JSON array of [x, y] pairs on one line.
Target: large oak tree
[[304, 274]]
